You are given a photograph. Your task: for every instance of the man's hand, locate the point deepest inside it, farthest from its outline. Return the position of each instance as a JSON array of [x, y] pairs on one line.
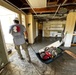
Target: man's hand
[[26, 40], [26, 34]]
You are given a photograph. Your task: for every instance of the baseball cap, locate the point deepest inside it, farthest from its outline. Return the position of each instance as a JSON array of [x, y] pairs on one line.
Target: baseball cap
[[16, 18]]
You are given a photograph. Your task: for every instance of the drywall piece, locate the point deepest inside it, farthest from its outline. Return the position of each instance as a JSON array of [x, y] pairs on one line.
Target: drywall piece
[[55, 44], [70, 23], [68, 39], [69, 29]]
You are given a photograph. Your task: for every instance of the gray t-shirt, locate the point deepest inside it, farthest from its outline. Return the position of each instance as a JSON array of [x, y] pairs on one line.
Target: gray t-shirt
[[17, 32]]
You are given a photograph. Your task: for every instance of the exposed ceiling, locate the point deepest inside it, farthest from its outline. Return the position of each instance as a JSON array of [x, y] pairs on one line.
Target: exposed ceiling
[[45, 9]]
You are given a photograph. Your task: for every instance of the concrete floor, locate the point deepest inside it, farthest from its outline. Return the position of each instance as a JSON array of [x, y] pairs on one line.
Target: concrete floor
[[64, 65]]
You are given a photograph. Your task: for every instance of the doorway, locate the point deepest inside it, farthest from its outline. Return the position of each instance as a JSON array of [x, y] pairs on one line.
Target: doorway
[[40, 27], [6, 17]]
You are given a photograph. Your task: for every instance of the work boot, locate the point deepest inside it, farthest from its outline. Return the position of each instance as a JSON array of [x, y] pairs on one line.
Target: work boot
[[21, 58]]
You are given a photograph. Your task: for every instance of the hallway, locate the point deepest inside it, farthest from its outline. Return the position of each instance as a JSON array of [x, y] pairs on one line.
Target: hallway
[[64, 65]]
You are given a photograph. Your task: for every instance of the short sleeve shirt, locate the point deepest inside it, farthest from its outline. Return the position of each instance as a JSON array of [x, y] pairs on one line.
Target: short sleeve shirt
[[17, 32]]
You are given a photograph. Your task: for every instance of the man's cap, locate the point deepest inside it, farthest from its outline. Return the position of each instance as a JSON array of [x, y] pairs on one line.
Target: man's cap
[[16, 19]]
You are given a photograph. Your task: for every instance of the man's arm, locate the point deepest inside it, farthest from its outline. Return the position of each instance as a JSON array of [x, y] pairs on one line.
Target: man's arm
[[26, 34], [24, 31]]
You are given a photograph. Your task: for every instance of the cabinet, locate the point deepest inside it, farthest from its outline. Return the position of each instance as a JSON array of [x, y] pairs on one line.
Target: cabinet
[[53, 29]]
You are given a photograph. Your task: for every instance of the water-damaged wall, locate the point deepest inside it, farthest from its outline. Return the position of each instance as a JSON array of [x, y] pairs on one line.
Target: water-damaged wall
[[3, 53]]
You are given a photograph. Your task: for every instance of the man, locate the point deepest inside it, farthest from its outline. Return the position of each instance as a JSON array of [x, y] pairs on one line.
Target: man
[[18, 32]]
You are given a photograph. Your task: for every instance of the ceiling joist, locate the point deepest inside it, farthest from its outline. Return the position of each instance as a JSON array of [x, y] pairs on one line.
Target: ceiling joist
[[52, 7], [43, 10]]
